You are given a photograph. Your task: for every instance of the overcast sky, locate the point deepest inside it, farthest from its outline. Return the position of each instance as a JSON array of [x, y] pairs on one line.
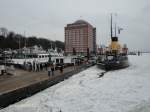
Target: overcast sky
[[47, 18]]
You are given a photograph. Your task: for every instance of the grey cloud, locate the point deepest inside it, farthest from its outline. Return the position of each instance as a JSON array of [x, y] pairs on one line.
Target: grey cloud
[[47, 18]]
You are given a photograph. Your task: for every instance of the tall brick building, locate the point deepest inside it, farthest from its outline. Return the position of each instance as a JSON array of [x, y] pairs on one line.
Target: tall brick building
[[80, 36]]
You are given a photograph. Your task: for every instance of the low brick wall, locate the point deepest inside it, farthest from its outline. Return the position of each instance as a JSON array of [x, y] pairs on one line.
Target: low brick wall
[[21, 93]]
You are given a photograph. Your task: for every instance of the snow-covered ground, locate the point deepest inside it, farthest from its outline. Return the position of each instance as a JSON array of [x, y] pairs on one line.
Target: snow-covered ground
[[126, 90]]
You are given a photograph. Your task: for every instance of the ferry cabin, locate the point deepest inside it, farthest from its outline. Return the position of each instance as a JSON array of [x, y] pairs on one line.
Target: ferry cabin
[[39, 58]]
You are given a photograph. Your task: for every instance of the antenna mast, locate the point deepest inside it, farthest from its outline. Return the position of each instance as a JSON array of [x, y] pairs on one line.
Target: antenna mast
[[25, 39]]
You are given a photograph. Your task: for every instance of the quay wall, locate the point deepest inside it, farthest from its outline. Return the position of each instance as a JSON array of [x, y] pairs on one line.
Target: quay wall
[[16, 95]]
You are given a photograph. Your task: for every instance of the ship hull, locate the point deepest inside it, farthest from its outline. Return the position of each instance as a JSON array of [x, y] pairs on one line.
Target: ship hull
[[113, 65]]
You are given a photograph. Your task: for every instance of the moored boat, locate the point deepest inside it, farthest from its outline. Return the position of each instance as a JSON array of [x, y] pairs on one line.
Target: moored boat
[[115, 56], [113, 62]]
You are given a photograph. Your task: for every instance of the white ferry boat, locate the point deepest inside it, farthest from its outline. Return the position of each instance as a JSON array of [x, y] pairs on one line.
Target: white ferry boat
[[36, 54]]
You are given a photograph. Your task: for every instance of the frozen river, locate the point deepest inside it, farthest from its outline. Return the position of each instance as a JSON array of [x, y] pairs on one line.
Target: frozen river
[[126, 90]]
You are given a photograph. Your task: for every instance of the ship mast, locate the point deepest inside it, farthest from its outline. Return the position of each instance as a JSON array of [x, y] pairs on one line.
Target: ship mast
[[111, 27], [115, 30]]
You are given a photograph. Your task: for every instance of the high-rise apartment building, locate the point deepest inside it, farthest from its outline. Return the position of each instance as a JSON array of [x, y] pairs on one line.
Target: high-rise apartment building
[[80, 37]]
